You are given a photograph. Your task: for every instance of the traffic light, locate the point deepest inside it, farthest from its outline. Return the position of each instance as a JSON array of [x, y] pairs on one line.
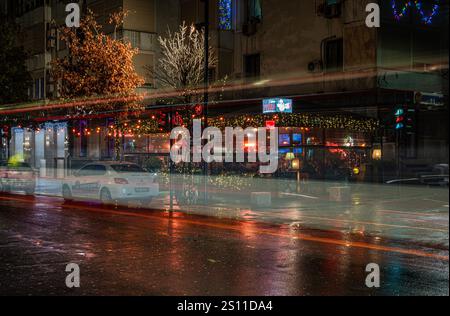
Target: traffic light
[[405, 118], [400, 118], [410, 124]]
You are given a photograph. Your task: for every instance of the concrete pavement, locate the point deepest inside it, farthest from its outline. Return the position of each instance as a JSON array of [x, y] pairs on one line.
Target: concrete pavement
[[132, 252]]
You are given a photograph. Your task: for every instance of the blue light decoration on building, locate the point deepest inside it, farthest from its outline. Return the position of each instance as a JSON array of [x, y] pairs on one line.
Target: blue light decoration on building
[[225, 15], [426, 18]]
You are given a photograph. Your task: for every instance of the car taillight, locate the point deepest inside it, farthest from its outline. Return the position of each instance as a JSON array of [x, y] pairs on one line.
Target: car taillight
[[120, 181]]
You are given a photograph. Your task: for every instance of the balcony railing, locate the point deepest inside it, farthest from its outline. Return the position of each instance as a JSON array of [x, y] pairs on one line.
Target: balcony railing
[[144, 41]]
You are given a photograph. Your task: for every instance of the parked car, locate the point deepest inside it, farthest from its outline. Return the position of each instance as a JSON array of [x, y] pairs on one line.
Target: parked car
[[17, 176], [111, 181]]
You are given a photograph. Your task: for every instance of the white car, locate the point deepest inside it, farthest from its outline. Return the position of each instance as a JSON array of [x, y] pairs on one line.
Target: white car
[[111, 181]]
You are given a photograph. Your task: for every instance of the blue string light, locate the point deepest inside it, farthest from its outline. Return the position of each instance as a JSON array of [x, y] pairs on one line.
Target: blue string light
[[424, 17]]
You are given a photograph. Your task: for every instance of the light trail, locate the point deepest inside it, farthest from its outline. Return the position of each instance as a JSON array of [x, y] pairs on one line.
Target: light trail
[[167, 94]]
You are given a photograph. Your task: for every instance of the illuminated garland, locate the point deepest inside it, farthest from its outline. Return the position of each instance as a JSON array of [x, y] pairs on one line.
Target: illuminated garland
[[153, 125], [426, 18], [306, 120]]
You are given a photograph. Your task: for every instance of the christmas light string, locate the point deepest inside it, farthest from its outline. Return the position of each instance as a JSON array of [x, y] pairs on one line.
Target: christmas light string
[[425, 18]]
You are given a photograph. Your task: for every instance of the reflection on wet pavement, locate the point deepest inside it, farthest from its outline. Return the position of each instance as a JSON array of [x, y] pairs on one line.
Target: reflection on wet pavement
[[154, 253]]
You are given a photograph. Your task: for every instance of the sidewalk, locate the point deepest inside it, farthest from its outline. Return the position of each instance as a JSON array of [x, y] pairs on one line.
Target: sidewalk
[[418, 214]]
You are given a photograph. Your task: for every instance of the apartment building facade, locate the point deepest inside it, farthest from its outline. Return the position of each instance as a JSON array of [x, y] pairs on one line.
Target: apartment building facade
[[318, 53], [48, 147], [40, 19], [323, 56]]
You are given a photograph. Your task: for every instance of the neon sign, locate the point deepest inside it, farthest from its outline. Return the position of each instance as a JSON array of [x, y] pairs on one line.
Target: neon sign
[[277, 106]]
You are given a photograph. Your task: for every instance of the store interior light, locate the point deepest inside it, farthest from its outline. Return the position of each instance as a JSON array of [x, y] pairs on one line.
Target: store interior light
[[290, 156], [377, 154], [296, 164]]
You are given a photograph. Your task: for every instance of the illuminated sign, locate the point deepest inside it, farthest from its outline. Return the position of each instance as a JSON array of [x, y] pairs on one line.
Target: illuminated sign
[[429, 99], [270, 124], [277, 106]]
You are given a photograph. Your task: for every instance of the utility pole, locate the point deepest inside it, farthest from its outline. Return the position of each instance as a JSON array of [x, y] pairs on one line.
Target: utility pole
[[206, 95], [206, 70], [46, 25]]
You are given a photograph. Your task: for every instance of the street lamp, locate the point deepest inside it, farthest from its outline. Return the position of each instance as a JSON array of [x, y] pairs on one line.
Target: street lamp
[[295, 165]]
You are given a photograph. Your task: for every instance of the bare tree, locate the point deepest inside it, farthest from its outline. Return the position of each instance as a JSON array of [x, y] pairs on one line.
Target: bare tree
[[182, 62]]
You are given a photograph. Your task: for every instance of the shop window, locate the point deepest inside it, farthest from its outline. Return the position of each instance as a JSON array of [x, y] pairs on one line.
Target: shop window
[[83, 139], [17, 141], [284, 140], [136, 144], [342, 138], [39, 153], [149, 144], [334, 55], [61, 141], [297, 138], [313, 136], [159, 143], [107, 140]]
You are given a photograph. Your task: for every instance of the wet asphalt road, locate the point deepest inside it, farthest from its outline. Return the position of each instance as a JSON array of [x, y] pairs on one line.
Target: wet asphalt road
[[135, 252]]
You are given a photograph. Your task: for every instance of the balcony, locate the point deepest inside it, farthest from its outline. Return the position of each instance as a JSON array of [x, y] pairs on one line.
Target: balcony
[[144, 41]]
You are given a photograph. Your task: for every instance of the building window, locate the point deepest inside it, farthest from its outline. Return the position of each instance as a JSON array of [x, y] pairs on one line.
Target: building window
[[42, 86], [334, 55], [143, 40], [133, 37], [36, 88], [24, 6], [225, 15], [252, 64], [253, 10]]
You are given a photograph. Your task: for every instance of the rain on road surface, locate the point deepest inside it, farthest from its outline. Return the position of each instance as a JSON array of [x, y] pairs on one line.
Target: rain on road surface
[[134, 252]]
